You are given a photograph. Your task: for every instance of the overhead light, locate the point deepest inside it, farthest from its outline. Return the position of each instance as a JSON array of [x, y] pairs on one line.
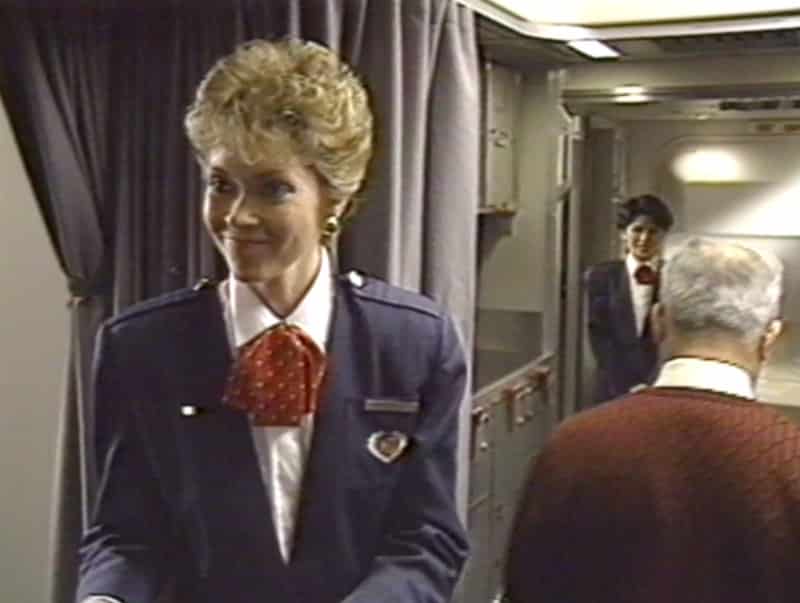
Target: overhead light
[[633, 98], [631, 93], [594, 49], [630, 89], [708, 165]]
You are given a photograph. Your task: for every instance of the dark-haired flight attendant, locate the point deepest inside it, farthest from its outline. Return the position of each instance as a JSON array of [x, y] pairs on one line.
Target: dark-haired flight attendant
[[620, 294]]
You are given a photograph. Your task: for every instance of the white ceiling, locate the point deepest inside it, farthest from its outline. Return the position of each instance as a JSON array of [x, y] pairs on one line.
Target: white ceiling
[[605, 12]]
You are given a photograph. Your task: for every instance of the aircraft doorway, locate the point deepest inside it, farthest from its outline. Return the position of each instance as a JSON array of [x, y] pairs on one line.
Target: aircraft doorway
[[727, 169]]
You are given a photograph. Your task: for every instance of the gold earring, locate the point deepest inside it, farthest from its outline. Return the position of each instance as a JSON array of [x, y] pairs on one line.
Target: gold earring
[[331, 227]]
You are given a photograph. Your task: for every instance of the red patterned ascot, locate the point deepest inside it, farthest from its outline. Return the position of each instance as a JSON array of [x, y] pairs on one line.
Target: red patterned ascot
[[277, 377], [645, 275]]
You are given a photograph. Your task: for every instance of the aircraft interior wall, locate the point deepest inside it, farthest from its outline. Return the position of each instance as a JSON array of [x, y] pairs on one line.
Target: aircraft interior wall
[[515, 275], [517, 310], [33, 348]]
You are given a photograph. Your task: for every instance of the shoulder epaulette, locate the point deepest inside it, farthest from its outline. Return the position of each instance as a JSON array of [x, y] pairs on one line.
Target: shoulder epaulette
[[600, 268], [379, 291], [173, 298], [604, 265]]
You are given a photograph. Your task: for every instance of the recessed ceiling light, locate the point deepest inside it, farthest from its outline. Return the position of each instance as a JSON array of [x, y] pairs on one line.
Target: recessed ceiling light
[[706, 164], [594, 49], [633, 98], [630, 89]]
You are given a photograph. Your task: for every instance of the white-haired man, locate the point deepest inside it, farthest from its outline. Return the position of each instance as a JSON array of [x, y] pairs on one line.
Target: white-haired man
[[685, 491]]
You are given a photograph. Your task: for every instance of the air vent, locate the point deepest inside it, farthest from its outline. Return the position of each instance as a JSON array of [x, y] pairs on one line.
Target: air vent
[[758, 104], [775, 127], [508, 47], [738, 43]]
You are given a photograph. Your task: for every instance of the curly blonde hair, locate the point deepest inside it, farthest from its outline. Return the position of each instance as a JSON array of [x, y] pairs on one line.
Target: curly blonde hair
[[288, 94]]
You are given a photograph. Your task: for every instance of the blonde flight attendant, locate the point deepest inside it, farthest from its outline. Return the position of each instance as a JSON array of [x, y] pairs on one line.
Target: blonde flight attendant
[[287, 435]]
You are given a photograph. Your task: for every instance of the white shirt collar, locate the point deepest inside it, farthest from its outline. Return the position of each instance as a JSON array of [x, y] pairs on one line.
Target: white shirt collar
[[698, 373], [249, 316], [632, 263]]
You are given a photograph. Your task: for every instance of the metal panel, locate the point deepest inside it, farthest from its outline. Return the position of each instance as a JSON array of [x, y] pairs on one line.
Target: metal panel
[[475, 587], [509, 423], [520, 422], [502, 511], [480, 456], [502, 91]]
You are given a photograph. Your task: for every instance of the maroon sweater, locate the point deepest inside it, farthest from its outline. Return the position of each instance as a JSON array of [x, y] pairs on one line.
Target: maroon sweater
[[663, 496]]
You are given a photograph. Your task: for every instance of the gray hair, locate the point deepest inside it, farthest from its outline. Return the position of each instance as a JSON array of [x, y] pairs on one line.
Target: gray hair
[[722, 288]]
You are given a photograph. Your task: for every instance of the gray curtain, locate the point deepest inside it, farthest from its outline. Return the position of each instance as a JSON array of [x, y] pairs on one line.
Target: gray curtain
[[96, 92], [57, 115], [418, 228]]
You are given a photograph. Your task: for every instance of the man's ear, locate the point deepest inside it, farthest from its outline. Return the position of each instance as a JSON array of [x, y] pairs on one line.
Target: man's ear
[[774, 329], [658, 321]]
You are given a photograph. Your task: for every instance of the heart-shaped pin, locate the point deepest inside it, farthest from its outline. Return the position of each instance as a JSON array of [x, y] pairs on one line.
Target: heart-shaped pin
[[387, 446]]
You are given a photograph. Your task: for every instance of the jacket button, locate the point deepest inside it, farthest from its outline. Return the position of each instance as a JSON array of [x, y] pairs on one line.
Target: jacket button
[[356, 279], [203, 283]]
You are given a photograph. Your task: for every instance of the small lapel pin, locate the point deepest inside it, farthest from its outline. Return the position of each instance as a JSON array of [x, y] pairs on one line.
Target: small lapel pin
[[187, 410], [387, 446]]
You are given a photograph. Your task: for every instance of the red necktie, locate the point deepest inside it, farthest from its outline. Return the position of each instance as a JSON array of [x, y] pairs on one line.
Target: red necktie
[[645, 275], [277, 377]]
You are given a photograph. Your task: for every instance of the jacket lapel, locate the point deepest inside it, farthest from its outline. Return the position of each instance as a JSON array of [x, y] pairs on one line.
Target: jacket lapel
[[625, 318], [325, 471], [223, 481]]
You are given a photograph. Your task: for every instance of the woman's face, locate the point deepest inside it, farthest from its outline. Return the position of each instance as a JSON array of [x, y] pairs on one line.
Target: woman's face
[[643, 238], [265, 218]]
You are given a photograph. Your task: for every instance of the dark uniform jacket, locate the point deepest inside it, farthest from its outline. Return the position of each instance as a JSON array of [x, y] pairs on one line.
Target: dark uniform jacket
[[182, 505], [624, 358]]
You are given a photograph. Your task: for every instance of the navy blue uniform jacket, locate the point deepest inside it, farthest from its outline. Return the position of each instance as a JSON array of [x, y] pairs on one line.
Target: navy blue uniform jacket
[[181, 504], [624, 359]]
